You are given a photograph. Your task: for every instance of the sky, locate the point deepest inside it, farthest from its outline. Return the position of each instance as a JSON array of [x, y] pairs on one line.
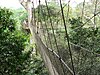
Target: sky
[[14, 4], [10, 4]]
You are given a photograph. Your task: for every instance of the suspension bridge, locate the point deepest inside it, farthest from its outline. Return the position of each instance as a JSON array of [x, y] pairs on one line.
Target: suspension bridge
[[60, 55]]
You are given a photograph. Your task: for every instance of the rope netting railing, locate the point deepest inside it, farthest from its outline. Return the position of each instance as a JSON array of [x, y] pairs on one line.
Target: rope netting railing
[[72, 58], [71, 35]]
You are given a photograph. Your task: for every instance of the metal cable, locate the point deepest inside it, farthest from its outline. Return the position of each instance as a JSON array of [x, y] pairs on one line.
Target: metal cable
[[67, 36], [83, 10], [44, 33], [79, 40], [93, 36], [94, 13], [51, 24], [53, 30]]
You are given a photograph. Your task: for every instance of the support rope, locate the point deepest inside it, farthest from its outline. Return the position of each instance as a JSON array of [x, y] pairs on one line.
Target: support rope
[[67, 36]]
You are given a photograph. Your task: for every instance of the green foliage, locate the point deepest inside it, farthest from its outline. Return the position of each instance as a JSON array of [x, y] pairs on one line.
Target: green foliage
[[42, 13], [37, 66], [88, 38], [88, 12], [12, 44], [85, 37], [6, 22], [75, 22], [15, 51], [20, 14]]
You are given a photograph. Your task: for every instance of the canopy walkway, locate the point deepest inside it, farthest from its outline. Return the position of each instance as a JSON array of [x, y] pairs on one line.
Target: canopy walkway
[[60, 55]]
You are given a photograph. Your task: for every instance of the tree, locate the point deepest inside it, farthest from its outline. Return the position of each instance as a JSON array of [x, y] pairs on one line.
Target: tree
[[16, 57], [12, 45]]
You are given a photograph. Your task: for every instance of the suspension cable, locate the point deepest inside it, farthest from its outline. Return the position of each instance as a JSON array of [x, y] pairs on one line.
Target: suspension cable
[[39, 11], [95, 9], [83, 10], [53, 32], [51, 24], [67, 36], [44, 33]]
